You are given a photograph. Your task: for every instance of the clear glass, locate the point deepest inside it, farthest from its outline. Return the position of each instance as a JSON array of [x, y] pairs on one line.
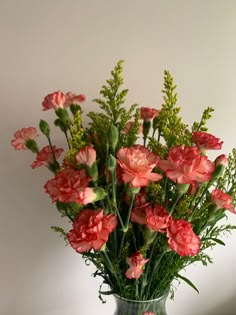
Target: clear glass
[[132, 307]]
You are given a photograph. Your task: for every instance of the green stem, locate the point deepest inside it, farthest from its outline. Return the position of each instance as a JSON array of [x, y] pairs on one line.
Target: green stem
[[125, 229], [179, 195], [144, 282], [152, 275], [53, 154], [114, 182], [165, 188], [136, 289], [199, 200], [144, 141], [67, 139], [110, 266]]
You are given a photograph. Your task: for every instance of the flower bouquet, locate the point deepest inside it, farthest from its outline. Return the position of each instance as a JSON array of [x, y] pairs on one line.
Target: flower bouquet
[[143, 198]]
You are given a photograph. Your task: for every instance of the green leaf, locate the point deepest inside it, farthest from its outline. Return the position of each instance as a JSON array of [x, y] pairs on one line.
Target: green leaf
[[214, 240], [187, 281]]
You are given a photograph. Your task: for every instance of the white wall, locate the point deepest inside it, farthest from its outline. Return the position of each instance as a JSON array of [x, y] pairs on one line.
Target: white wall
[[73, 45]]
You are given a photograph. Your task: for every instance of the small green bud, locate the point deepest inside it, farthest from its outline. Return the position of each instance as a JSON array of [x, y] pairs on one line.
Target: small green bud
[[111, 163], [113, 136], [146, 127], [44, 127], [155, 122]]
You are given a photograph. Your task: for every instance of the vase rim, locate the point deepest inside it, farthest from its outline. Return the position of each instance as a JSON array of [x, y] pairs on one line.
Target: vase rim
[[141, 301]]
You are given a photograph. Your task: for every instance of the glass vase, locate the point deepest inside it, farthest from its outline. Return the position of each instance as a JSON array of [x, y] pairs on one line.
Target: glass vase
[[132, 307]]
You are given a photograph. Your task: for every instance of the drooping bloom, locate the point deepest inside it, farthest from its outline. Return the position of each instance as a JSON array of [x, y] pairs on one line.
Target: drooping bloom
[[91, 229], [149, 313], [86, 156], [147, 113], [45, 156], [185, 165], [155, 217], [139, 199], [54, 101], [193, 187], [72, 98], [22, 136], [136, 263], [222, 200], [129, 125], [138, 214], [137, 163], [70, 185], [182, 239], [206, 141]]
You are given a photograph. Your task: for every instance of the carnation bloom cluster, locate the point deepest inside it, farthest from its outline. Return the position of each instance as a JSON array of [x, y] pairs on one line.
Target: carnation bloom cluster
[[144, 202]]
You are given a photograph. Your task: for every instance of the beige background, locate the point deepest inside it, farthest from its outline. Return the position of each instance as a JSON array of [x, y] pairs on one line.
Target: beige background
[[73, 45]]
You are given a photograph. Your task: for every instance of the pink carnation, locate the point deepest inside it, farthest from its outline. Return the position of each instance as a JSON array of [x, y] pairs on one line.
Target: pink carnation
[[86, 195], [69, 186], [137, 163], [22, 136], [147, 113], [86, 156], [45, 156], [91, 229], [222, 200], [156, 217], [206, 141], [185, 165], [74, 99], [182, 239], [136, 263], [54, 101]]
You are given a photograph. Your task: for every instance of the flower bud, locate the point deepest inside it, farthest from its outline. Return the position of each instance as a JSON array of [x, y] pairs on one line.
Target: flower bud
[[221, 160], [146, 127], [220, 164], [155, 122], [111, 163], [113, 136], [44, 127]]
